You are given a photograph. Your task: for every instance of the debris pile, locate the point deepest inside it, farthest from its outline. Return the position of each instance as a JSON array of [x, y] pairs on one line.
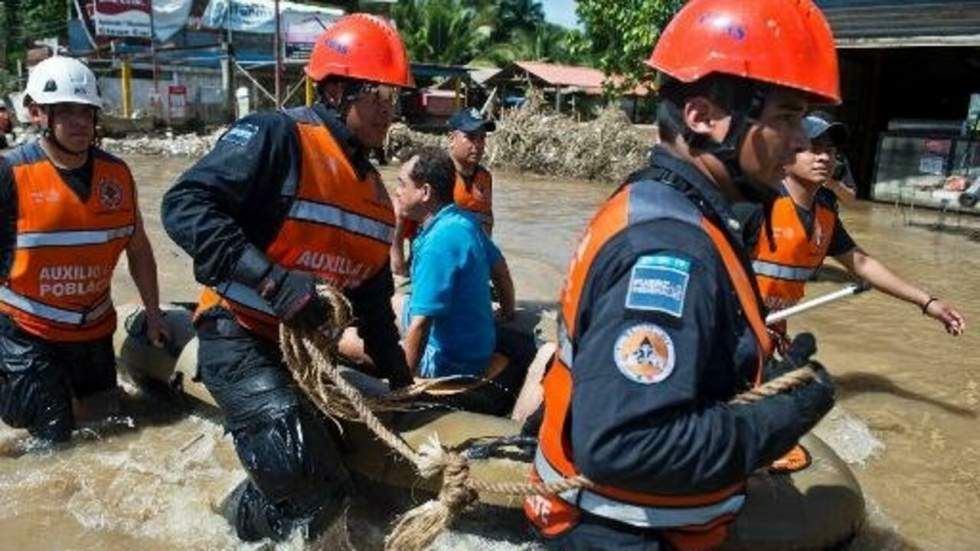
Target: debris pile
[[166, 145], [534, 138]]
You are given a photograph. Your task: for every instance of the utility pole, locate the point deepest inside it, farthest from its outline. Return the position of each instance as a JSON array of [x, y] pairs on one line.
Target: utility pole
[[276, 47], [153, 53]]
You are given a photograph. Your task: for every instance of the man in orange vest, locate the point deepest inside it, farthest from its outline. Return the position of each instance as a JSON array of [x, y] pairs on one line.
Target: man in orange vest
[[660, 323], [804, 228], [286, 200], [68, 211], [473, 191]]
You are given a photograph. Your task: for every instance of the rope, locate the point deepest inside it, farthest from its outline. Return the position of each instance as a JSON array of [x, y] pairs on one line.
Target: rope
[[308, 355]]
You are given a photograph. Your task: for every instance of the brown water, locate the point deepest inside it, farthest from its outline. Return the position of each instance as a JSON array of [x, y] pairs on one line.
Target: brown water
[[909, 399]]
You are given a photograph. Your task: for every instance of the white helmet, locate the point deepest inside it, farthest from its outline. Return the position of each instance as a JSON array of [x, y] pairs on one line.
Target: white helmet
[[62, 80]]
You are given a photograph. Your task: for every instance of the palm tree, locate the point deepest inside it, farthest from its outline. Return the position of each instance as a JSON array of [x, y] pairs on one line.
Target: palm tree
[[519, 14], [440, 31]]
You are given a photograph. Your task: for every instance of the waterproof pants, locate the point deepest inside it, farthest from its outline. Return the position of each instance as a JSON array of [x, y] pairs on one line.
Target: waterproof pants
[[296, 478], [39, 378]]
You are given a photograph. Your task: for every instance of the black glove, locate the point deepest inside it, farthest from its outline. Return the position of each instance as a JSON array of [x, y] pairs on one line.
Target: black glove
[[292, 295], [815, 398], [803, 347]]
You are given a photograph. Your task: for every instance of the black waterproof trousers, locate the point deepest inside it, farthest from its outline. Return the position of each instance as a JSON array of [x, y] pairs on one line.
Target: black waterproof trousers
[[290, 450]]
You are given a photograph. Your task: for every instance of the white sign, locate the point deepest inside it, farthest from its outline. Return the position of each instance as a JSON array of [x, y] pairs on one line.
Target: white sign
[[177, 96], [259, 16], [122, 18]]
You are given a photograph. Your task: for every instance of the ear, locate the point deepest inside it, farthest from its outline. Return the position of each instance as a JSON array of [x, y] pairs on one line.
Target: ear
[[333, 92], [701, 115], [427, 192]]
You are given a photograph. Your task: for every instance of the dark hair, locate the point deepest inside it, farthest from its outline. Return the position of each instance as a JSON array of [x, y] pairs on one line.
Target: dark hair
[[728, 92], [436, 168]]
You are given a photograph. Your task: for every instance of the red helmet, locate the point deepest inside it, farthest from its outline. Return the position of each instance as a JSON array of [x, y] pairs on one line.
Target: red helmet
[[784, 42], [363, 47]]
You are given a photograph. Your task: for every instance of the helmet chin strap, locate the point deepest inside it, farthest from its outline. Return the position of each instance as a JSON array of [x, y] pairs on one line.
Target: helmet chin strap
[[727, 150]]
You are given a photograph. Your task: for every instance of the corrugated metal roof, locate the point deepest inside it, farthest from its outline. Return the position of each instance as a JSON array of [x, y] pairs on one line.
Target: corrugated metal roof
[[885, 23], [584, 79], [564, 75]]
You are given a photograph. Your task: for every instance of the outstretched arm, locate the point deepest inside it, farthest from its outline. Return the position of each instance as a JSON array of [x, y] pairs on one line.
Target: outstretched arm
[[143, 270], [882, 278]]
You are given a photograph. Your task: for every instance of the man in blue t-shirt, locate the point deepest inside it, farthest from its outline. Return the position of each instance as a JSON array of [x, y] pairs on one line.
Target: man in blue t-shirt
[[449, 316]]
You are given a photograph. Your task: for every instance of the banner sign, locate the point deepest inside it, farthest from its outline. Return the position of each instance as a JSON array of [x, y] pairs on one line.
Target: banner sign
[[259, 16], [122, 18], [301, 31]]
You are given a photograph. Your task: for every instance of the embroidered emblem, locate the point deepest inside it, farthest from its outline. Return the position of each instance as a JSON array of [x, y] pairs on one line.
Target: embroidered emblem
[[658, 283], [644, 354], [110, 194], [240, 134]]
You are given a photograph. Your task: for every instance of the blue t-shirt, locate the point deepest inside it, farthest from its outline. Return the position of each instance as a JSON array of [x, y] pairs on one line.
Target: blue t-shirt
[[451, 260]]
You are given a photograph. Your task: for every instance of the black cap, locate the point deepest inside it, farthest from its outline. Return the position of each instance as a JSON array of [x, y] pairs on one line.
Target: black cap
[[818, 125], [470, 120]]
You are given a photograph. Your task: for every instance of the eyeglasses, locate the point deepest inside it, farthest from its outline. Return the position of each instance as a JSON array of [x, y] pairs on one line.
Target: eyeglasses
[[380, 95]]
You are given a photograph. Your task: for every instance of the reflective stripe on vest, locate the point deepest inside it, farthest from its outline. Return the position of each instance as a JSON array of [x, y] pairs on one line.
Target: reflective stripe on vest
[[333, 216], [778, 271], [52, 313], [70, 238], [786, 260], [643, 516], [66, 246], [339, 226]]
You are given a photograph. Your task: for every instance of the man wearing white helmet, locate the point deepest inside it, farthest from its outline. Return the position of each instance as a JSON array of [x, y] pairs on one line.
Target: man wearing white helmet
[[68, 210]]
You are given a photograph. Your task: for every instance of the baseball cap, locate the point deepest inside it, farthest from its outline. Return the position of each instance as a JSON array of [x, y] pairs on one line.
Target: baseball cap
[[470, 120], [817, 125]]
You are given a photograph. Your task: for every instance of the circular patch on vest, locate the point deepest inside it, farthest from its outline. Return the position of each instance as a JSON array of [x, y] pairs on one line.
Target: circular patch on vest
[[644, 354], [110, 194]]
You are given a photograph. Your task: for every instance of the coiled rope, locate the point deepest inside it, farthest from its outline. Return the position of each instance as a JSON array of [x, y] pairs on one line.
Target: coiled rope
[[309, 356]]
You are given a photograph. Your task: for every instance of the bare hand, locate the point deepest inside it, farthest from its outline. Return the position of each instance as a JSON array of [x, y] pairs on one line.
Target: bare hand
[[951, 319], [156, 328]]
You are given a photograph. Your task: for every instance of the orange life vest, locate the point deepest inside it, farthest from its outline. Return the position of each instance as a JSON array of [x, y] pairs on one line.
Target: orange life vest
[[694, 521], [66, 249], [339, 227], [786, 262], [477, 197]]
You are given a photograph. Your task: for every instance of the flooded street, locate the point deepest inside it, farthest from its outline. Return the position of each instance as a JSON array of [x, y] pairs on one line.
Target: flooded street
[[151, 482]]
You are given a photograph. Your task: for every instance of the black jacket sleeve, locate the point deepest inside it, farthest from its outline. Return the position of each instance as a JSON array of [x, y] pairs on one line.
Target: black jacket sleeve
[[8, 218], [223, 209], [375, 322], [678, 435]]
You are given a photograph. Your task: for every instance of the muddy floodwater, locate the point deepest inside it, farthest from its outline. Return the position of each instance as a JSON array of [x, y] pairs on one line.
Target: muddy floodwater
[[909, 398]]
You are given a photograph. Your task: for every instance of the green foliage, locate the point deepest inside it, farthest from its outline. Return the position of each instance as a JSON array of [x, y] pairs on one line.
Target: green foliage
[[619, 35], [440, 31], [486, 32]]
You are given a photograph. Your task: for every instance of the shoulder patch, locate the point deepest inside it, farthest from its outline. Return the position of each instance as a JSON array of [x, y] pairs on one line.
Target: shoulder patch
[[240, 134], [658, 283], [644, 353]]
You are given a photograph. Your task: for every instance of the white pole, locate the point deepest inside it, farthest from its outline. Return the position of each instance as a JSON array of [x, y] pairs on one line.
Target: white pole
[[850, 290]]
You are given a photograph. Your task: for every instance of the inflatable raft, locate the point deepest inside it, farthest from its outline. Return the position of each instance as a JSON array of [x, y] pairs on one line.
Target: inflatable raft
[[818, 507]]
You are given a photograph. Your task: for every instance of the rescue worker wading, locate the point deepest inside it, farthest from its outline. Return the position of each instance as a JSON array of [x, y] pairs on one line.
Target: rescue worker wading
[[68, 210], [287, 199], [660, 322]]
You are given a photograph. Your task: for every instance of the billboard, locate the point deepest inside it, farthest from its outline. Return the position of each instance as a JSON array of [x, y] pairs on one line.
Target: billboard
[[123, 18]]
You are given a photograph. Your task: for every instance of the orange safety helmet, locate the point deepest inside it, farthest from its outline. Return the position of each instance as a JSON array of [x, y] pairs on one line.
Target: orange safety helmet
[[363, 47], [783, 42]]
